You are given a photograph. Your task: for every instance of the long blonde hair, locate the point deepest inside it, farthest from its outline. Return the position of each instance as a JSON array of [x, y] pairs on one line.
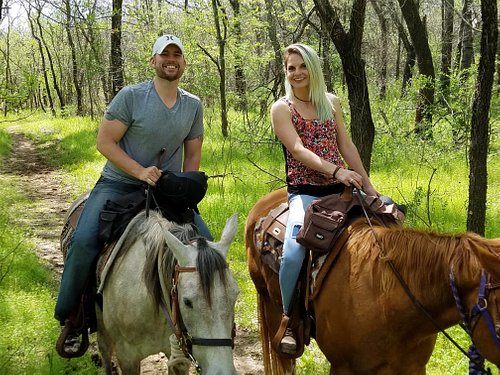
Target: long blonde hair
[[317, 86]]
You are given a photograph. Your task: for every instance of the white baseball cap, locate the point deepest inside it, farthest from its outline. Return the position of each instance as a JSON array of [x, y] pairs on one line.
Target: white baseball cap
[[164, 41]]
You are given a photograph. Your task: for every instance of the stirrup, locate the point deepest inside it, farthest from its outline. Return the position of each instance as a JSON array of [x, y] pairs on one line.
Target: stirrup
[[288, 344], [68, 344]]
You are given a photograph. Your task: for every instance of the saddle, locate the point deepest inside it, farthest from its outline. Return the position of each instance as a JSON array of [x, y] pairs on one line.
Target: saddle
[[324, 238]]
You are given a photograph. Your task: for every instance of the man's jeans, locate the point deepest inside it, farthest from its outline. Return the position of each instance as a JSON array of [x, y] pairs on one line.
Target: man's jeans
[[85, 246]]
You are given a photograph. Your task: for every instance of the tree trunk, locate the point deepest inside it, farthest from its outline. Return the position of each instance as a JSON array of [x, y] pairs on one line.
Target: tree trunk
[[8, 75], [219, 13], [44, 68], [325, 55], [383, 48], [74, 63], [116, 66], [498, 65], [94, 41], [349, 47], [410, 51], [51, 63], [239, 73], [447, 11], [478, 152], [465, 49], [277, 65], [418, 35], [467, 42]]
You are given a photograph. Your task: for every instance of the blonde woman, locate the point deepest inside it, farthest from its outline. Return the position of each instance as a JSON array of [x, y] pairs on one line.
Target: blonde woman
[[320, 157]]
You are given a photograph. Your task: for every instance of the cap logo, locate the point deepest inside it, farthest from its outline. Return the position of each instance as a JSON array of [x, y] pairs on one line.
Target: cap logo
[[164, 41]]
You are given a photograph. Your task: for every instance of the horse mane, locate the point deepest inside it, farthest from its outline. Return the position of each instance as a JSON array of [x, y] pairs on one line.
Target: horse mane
[[209, 262], [151, 231], [422, 257]]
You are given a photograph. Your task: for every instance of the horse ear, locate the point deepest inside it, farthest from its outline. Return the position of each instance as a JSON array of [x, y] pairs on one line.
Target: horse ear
[[228, 235], [183, 253], [488, 259]]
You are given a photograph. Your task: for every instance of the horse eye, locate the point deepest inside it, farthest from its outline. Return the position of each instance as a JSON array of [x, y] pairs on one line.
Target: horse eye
[[188, 303]]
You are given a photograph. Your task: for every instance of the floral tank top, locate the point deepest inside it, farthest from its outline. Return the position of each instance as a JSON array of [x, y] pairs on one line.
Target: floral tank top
[[320, 138]]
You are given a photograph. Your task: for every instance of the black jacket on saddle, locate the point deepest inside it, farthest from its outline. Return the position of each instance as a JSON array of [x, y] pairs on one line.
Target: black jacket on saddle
[[176, 195]]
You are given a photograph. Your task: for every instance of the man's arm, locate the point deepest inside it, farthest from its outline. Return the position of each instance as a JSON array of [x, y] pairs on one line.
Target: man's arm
[[109, 135], [192, 154]]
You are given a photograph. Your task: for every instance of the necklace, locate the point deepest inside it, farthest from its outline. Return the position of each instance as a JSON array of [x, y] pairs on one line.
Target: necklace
[[300, 100]]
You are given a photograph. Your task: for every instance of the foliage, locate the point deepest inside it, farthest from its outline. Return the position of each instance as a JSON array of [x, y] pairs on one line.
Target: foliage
[[26, 299], [4, 142], [429, 177]]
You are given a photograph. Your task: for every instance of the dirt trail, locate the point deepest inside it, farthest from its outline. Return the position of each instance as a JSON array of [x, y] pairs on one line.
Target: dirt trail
[[43, 220]]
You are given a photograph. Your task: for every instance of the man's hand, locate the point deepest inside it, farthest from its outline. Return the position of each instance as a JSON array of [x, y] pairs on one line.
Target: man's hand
[[150, 175]]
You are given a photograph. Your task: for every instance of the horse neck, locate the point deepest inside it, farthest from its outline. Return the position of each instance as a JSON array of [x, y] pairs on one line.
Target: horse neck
[[425, 261]]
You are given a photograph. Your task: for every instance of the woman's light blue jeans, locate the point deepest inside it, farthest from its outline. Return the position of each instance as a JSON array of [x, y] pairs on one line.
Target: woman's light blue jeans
[[293, 252]]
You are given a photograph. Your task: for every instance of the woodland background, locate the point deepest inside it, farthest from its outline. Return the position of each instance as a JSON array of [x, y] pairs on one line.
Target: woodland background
[[419, 83], [70, 57]]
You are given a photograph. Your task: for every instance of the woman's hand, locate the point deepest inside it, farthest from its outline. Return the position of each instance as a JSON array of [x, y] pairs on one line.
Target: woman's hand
[[349, 178], [352, 178]]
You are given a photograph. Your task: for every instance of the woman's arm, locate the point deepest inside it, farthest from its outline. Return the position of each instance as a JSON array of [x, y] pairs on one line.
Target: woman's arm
[[350, 154], [281, 121]]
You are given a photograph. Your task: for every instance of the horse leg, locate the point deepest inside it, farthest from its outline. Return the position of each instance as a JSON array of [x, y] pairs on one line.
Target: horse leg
[[178, 366], [105, 352], [105, 349], [129, 366]]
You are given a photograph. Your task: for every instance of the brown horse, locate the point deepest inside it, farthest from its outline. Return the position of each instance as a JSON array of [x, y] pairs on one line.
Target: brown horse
[[366, 323]]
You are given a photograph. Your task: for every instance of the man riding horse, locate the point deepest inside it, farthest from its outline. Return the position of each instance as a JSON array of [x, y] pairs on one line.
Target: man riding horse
[[148, 128]]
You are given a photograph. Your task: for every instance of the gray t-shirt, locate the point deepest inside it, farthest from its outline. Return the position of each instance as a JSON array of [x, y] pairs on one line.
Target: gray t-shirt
[[153, 126]]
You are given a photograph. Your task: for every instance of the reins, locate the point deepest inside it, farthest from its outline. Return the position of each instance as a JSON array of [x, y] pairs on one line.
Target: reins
[[149, 193], [412, 297]]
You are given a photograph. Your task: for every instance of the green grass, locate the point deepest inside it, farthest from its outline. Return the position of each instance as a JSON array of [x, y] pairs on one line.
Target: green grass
[[27, 290], [242, 170]]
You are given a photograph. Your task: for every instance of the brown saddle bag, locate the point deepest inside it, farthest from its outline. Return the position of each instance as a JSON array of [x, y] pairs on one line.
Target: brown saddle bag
[[327, 217]]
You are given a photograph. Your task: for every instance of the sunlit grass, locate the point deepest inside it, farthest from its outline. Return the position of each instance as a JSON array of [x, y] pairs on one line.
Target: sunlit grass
[[28, 331], [4, 142]]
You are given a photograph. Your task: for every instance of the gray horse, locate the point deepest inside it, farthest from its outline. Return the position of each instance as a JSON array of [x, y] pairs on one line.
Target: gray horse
[[161, 295]]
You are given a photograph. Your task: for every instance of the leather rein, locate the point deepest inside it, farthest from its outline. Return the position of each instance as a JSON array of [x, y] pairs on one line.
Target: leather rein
[[480, 309], [174, 319]]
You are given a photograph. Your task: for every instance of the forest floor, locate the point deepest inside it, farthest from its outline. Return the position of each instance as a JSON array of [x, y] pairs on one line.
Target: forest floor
[[43, 220]]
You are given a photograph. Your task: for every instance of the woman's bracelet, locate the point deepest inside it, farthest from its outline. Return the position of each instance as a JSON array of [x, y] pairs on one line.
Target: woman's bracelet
[[337, 168]]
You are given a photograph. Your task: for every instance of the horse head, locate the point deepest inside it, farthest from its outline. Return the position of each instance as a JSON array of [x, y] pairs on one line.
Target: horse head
[[484, 316], [168, 290], [207, 318]]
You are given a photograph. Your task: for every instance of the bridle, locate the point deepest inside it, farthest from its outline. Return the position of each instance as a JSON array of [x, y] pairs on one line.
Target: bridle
[[487, 297], [174, 318], [487, 288], [480, 309]]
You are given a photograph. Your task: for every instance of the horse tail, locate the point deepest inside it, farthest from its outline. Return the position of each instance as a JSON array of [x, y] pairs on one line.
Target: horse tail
[[273, 363], [265, 339]]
